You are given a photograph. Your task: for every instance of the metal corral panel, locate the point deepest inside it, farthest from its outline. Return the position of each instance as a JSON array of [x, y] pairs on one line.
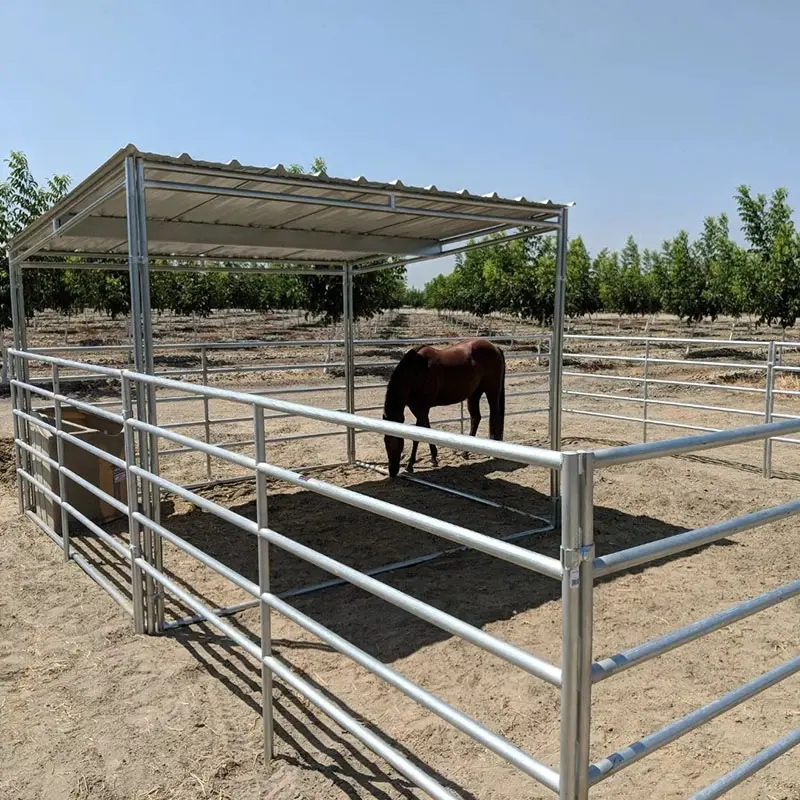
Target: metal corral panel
[[229, 211]]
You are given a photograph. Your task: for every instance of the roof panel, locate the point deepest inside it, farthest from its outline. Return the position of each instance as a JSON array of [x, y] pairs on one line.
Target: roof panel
[[197, 208]]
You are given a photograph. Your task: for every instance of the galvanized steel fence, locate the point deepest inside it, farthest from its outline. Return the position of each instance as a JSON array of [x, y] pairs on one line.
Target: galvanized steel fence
[[577, 568]]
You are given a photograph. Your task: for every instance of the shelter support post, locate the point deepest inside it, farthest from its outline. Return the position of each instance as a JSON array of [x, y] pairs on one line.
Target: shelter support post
[[577, 553], [556, 361], [142, 334], [134, 527], [22, 398], [349, 357]]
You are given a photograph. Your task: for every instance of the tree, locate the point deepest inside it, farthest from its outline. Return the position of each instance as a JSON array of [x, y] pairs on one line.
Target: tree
[[686, 296], [104, 291], [497, 289], [718, 261], [413, 297], [655, 280], [22, 200], [606, 267], [770, 232], [631, 289], [373, 293], [438, 293], [582, 287]]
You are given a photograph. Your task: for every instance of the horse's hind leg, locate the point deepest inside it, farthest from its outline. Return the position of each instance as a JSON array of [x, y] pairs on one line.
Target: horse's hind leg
[[425, 422], [474, 408], [496, 416]]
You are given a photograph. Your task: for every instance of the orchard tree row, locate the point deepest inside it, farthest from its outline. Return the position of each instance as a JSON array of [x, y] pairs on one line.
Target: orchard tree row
[[709, 277]]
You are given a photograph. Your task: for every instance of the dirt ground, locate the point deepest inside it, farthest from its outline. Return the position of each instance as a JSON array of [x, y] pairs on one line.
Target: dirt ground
[[90, 710]]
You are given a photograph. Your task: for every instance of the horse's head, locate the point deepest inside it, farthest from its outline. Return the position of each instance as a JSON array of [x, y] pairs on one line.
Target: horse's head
[[394, 448]]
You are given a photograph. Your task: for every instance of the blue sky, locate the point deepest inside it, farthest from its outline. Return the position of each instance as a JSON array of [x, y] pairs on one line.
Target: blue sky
[[647, 115]]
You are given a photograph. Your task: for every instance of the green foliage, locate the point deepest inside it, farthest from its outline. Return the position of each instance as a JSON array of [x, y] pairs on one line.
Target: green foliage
[[775, 249], [583, 289], [514, 277], [322, 295], [413, 297], [686, 281], [609, 276], [22, 200], [694, 280]]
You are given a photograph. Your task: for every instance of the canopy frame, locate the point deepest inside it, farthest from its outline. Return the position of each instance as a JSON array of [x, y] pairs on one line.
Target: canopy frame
[[189, 215]]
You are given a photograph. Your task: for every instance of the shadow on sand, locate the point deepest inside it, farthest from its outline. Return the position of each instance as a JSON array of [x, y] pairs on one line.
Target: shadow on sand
[[477, 588]]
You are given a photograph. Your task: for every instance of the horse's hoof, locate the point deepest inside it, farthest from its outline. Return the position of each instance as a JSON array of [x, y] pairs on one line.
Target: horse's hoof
[[435, 464], [410, 468]]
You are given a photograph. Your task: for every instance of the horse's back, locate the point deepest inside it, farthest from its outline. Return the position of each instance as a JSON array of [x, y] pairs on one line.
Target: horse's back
[[456, 372], [464, 352]]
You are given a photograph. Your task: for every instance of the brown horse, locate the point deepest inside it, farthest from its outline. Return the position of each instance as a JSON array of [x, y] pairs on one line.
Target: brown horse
[[426, 377]]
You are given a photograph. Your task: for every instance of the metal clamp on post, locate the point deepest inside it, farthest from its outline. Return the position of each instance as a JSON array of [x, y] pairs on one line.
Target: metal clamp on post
[[571, 560]]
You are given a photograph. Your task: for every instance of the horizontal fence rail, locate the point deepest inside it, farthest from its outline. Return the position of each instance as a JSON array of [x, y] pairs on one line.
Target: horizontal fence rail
[[669, 733], [750, 767]]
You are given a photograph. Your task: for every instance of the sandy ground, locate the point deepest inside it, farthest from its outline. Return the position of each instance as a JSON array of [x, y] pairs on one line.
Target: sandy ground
[[89, 710]]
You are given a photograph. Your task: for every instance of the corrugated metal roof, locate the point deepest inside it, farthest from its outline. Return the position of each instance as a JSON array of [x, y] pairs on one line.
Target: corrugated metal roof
[[229, 211]]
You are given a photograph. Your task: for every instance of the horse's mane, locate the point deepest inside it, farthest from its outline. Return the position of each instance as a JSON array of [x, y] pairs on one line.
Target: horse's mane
[[395, 389]]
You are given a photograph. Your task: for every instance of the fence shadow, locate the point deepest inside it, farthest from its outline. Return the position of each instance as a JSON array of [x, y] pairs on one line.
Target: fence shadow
[[475, 587], [305, 738]]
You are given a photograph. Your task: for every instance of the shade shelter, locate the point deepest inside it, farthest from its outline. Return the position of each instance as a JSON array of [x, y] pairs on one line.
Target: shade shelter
[[139, 208]]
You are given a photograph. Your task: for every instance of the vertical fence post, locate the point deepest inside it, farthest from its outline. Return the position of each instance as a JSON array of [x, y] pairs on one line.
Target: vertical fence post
[[768, 407], [645, 388], [62, 481], [586, 616], [577, 587], [17, 428], [142, 461], [134, 528], [21, 372], [206, 422], [263, 582], [570, 624]]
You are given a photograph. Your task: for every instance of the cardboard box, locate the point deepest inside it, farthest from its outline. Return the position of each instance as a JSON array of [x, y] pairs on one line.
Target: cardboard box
[[94, 430]]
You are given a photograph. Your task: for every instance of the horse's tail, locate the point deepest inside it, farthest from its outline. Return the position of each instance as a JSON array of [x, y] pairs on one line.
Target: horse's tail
[[501, 400]]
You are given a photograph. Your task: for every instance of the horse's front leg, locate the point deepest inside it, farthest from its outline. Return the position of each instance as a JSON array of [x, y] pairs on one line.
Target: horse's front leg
[[412, 459], [425, 422]]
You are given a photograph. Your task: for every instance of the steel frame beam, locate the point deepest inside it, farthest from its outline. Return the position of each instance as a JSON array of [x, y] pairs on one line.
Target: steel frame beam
[[222, 235]]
